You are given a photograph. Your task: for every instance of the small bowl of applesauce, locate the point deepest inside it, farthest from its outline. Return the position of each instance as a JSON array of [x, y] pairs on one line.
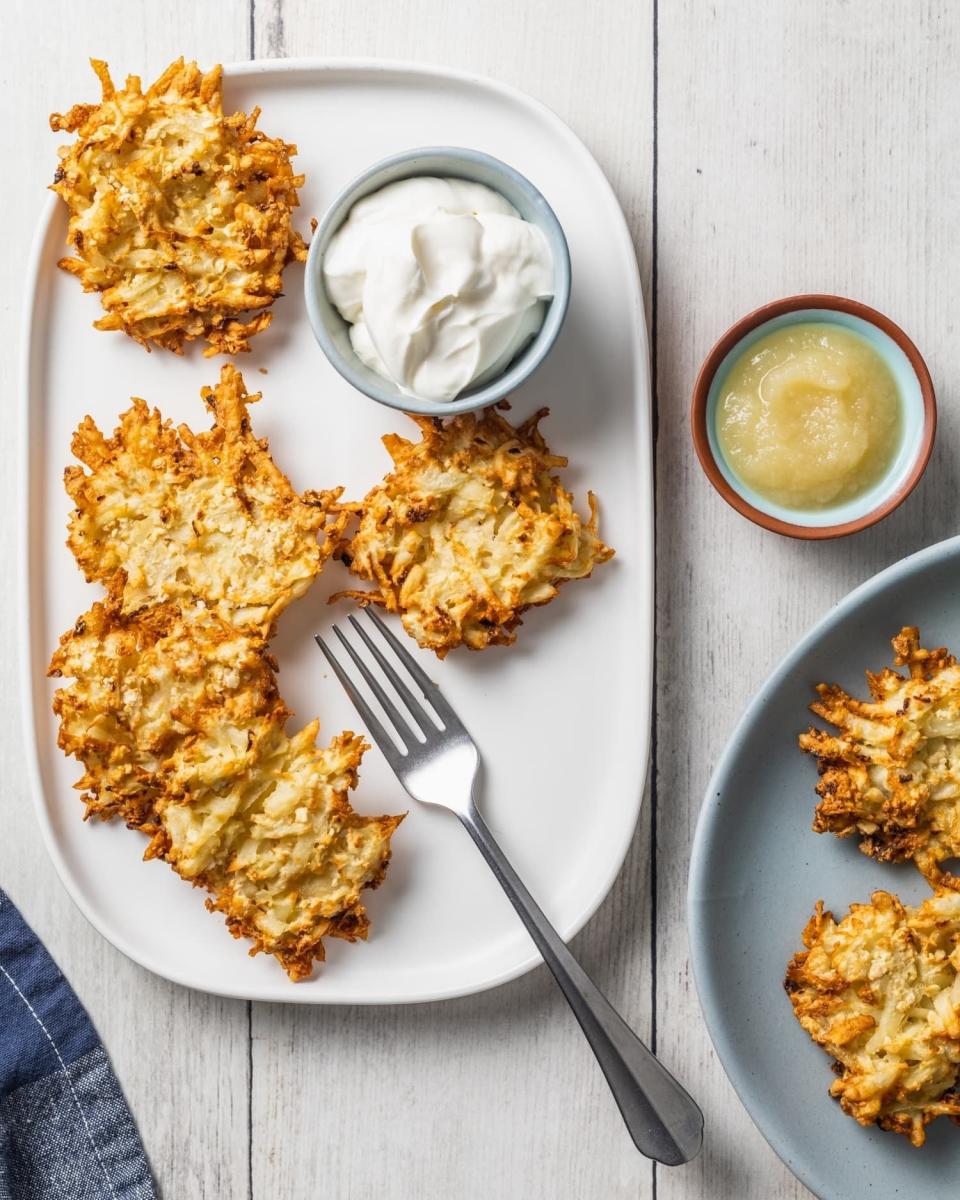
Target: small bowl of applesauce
[[814, 416]]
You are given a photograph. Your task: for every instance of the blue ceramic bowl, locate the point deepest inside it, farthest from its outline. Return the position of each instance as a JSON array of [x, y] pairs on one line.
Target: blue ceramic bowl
[[333, 332], [918, 416]]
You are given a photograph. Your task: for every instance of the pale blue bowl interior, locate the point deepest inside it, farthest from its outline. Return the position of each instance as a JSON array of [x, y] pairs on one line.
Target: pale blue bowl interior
[[333, 332], [911, 420]]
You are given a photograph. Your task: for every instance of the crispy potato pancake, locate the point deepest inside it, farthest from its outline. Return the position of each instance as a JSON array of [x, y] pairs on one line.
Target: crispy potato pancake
[[173, 706], [890, 775], [180, 217], [469, 531], [880, 992], [190, 517]]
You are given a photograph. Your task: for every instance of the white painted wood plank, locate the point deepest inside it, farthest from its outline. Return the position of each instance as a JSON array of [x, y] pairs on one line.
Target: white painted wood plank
[[801, 148], [495, 1095], [180, 1056]]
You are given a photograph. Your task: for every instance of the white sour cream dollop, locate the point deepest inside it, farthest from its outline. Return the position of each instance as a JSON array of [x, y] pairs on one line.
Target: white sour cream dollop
[[442, 282]]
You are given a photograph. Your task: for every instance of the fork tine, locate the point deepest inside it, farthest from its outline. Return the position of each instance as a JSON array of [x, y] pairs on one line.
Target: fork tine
[[374, 728], [401, 725], [427, 686], [413, 705]]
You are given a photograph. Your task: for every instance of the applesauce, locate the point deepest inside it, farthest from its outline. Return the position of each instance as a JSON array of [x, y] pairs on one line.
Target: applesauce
[[809, 416]]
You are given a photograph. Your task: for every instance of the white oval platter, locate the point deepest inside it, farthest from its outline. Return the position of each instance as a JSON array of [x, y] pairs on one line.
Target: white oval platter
[[562, 717]]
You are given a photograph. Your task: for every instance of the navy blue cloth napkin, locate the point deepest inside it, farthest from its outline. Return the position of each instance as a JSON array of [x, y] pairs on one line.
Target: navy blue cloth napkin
[[66, 1132]]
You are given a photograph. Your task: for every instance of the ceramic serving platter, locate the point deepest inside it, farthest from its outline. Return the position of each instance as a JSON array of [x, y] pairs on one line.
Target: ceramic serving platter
[[562, 718], [757, 871]]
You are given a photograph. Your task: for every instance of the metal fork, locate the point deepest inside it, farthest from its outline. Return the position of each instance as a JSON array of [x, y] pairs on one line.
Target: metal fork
[[439, 764]]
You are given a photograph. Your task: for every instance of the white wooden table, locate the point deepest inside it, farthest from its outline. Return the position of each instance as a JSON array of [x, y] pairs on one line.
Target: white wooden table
[[758, 148]]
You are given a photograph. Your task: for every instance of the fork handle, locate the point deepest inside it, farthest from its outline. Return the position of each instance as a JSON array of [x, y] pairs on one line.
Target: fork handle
[[663, 1120]]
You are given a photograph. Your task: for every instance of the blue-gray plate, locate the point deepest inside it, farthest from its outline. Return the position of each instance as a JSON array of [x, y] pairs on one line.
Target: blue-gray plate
[[758, 869]]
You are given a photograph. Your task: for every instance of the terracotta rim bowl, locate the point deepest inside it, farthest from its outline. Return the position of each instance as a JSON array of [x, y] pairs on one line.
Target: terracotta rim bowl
[[899, 486]]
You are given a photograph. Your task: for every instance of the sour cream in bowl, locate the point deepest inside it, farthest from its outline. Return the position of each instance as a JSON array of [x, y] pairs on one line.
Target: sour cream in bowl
[[438, 281]]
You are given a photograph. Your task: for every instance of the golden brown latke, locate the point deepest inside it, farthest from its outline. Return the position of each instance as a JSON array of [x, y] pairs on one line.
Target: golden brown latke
[[190, 517], [179, 726], [891, 773], [880, 992], [180, 217], [470, 530], [173, 707]]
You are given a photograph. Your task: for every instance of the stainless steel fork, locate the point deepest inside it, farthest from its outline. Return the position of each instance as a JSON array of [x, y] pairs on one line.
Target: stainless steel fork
[[439, 764]]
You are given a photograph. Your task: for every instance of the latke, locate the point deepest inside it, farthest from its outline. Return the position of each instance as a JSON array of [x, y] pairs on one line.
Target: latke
[[471, 529], [880, 992], [180, 217], [197, 516], [890, 775]]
